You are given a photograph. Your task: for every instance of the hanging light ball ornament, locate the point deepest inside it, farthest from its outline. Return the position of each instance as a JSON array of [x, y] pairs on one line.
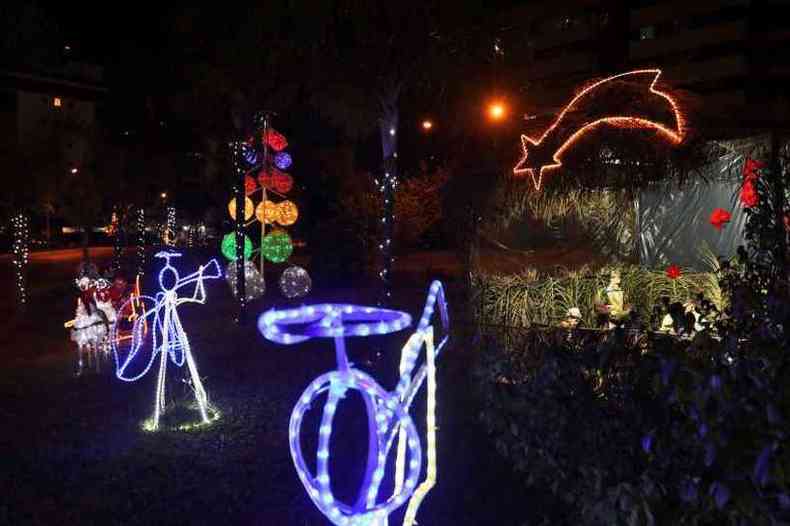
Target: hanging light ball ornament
[[289, 213], [276, 140], [249, 208], [228, 246], [267, 212], [277, 246], [295, 282], [249, 184], [254, 286], [283, 160], [249, 154], [267, 176], [282, 182]]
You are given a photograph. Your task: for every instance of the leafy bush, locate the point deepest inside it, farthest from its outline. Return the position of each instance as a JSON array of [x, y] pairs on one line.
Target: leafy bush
[[527, 299], [628, 427]]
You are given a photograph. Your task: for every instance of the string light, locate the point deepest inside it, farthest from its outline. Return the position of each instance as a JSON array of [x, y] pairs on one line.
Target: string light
[[388, 417], [20, 225], [537, 155], [140, 241], [117, 247], [232, 243], [168, 338], [169, 234], [295, 282]]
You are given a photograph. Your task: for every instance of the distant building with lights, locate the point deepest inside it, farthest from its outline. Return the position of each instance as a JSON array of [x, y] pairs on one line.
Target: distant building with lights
[[43, 104], [729, 54]]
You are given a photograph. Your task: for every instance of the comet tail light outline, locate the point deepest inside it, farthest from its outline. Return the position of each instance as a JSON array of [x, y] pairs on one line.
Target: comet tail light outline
[[618, 121]]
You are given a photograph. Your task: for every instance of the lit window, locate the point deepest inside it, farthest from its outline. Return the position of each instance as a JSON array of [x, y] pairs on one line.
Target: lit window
[[57, 102], [647, 33]]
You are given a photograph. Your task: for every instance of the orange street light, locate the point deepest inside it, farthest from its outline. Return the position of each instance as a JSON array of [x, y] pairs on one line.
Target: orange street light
[[427, 125], [496, 111]]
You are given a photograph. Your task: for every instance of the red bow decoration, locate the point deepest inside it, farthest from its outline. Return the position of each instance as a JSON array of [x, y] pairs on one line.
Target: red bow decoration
[[719, 218], [673, 272]]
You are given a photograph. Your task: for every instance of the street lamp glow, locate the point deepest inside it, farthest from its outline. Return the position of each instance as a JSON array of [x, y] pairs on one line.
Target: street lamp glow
[[163, 195], [496, 111], [427, 124], [74, 171]]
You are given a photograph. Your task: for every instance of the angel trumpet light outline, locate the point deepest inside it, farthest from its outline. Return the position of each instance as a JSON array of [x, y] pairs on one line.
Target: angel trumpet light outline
[[168, 338], [388, 411], [674, 136]]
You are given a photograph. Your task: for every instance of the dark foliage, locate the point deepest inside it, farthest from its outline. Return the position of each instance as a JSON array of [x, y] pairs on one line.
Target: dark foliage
[[637, 428]]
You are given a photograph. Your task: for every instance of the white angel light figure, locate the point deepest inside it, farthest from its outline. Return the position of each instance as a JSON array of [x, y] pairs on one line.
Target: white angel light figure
[[168, 339]]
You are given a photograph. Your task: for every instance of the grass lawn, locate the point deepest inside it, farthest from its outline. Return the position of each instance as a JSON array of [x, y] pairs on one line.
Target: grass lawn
[[73, 451]]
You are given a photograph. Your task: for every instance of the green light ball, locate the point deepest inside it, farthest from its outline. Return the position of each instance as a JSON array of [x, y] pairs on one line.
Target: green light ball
[[229, 246], [277, 246]]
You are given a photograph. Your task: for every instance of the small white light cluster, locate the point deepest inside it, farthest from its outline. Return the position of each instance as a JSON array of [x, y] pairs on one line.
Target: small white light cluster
[[254, 285], [141, 241], [169, 236], [21, 250], [168, 338], [388, 419]]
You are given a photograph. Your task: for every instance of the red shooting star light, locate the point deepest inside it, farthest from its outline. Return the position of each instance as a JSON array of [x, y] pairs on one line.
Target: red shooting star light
[[544, 153]]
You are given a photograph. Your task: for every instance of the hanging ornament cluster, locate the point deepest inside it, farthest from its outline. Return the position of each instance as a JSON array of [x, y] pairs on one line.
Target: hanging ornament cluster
[[266, 184]]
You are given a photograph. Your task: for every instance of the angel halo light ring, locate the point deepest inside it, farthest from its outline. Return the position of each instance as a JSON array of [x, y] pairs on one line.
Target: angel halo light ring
[[389, 421], [168, 340]]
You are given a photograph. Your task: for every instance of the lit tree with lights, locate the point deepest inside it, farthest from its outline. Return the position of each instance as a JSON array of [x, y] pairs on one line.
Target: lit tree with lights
[[389, 50]]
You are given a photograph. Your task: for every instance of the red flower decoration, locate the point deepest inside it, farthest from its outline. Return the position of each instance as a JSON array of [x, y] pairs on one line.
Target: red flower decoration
[[673, 272], [750, 167], [787, 221], [276, 140], [749, 196], [249, 185], [719, 218]]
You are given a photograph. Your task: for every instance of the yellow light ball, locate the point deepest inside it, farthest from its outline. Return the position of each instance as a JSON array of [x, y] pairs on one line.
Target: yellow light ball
[[289, 213], [267, 212], [249, 208]]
